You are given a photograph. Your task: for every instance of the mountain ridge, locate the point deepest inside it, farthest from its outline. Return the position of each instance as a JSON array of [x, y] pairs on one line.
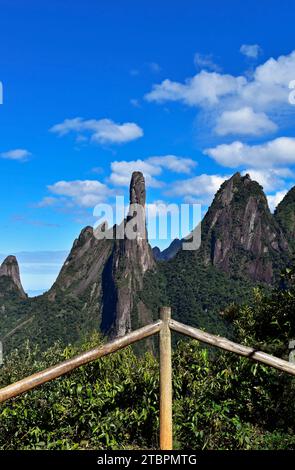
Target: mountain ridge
[[117, 285]]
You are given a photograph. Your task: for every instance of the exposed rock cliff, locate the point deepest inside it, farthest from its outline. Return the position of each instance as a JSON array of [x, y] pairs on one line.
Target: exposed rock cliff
[[123, 275], [10, 277], [82, 270], [103, 284], [285, 217], [79, 284], [239, 233], [107, 273]]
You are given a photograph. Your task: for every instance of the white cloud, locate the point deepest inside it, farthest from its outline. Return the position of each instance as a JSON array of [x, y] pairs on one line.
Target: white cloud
[[174, 163], [251, 51], [150, 167], [265, 90], [275, 199], [267, 86], [103, 131], [271, 178], [85, 193], [244, 121], [122, 171], [17, 154], [274, 153], [205, 88], [205, 61], [201, 188]]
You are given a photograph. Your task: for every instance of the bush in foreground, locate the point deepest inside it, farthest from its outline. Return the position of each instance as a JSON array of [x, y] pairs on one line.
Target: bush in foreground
[[220, 402]]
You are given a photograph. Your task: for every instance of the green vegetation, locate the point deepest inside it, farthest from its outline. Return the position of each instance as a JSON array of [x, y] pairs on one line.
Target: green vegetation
[[269, 323], [111, 403], [221, 401], [196, 293], [44, 321]]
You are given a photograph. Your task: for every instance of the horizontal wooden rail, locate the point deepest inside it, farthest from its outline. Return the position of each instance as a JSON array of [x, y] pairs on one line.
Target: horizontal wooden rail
[[162, 326], [64, 367], [227, 345]]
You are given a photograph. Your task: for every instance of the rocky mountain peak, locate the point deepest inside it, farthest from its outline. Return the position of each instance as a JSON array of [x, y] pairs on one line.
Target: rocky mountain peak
[[129, 261], [285, 217], [239, 233], [107, 273], [137, 189], [85, 235], [10, 270]]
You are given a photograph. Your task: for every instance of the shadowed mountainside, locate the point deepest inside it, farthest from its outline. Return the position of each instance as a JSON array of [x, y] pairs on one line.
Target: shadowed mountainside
[[117, 285]]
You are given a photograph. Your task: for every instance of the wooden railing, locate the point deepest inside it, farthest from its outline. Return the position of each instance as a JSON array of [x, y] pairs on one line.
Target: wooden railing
[[164, 326]]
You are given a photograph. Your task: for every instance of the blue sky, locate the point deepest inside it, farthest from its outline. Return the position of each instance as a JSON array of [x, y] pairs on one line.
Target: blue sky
[[188, 92]]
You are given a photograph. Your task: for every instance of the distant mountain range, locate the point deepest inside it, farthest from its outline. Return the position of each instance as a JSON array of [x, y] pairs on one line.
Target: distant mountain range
[[117, 285]]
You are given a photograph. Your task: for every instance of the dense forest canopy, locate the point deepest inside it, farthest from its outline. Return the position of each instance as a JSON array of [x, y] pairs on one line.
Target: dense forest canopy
[[221, 401]]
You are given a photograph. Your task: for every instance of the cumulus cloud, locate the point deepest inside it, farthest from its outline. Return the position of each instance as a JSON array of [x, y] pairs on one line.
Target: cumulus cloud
[[266, 163], [265, 90], [267, 86], [150, 167], [251, 51], [102, 131], [205, 88], [274, 153], [244, 121], [201, 188], [174, 163], [85, 193], [275, 199], [122, 171], [271, 179], [17, 154]]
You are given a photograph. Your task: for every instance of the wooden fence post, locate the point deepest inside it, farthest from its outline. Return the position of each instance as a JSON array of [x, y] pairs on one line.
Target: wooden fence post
[[166, 442]]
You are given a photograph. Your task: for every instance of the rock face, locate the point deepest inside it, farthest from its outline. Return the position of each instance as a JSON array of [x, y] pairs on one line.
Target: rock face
[[124, 272], [137, 189], [169, 252], [82, 270], [240, 235], [285, 217], [107, 273], [102, 286], [9, 271]]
